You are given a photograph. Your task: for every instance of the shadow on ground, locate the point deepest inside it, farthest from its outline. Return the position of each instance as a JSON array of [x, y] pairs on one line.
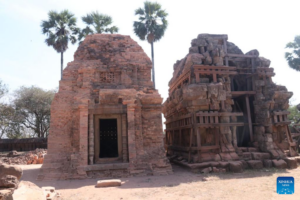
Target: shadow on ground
[[181, 175]]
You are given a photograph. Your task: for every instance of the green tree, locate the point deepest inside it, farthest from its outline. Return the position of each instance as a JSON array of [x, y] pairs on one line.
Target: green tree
[[3, 89], [293, 57], [294, 115], [4, 112], [97, 23], [151, 25], [60, 29], [32, 110]]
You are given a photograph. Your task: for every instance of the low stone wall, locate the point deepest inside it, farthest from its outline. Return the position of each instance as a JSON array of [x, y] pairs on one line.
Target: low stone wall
[[26, 144]]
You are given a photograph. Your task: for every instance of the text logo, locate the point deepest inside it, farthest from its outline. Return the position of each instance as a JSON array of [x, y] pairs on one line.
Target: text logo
[[285, 185]]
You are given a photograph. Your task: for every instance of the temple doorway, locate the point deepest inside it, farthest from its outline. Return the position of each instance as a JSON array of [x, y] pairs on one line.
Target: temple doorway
[[108, 136]]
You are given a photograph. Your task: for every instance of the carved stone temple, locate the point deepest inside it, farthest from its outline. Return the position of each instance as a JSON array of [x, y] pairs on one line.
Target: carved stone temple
[[224, 112], [106, 117]]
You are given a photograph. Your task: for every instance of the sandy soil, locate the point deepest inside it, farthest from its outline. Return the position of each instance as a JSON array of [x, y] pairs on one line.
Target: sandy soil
[[183, 184]]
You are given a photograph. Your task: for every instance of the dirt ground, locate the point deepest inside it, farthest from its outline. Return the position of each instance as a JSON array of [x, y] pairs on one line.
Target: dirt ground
[[183, 184]]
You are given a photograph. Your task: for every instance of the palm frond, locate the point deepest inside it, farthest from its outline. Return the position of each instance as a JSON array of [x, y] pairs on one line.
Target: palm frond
[[140, 30], [139, 11], [60, 29], [152, 20]]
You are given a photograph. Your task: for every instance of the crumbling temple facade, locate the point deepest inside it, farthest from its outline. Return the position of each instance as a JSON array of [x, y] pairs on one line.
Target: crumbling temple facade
[[106, 117], [224, 112]]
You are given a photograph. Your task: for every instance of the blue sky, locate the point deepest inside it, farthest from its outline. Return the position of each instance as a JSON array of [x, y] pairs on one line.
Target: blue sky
[[263, 25]]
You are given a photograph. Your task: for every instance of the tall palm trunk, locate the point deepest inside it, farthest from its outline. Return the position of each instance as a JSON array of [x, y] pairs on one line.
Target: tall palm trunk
[[153, 70], [62, 63]]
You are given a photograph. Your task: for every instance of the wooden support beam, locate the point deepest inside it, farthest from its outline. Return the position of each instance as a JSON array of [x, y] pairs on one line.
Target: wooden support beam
[[253, 71], [241, 56], [180, 137], [196, 129], [249, 118], [190, 146], [225, 51]]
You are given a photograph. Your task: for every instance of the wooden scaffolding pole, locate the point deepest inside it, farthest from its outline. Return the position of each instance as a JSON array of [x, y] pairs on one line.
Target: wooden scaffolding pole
[[249, 118]]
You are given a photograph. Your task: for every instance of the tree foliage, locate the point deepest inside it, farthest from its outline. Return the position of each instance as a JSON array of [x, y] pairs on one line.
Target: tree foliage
[[60, 29], [152, 22], [28, 114], [293, 57], [3, 89], [32, 109], [97, 23], [294, 115]]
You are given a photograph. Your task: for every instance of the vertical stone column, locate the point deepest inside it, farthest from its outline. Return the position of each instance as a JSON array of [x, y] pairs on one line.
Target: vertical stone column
[[91, 139], [131, 132], [83, 135], [124, 138]]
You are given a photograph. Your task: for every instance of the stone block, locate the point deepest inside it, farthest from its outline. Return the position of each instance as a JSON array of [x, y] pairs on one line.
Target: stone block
[[279, 164], [236, 166], [193, 49], [252, 149], [267, 163], [291, 163], [206, 170], [108, 183], [11, 170], [260, 156], [215, 170], [245, 165], [246, 156], [223, 164], [255, 164], [9, 181], [6, 195]]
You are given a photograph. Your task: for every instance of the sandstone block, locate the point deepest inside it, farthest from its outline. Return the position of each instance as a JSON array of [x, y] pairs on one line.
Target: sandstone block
[[297, 157], [9, 181], [236, 166], [246, 156], [206, 170], [260, 156], [6, 195], [28, 191], [245, 165], [280, 164], [291, 163], [255, 164], [223, 164], [215, 170], [267, 163], [49, 192], [108, 183], [11, 170], [252, 149]]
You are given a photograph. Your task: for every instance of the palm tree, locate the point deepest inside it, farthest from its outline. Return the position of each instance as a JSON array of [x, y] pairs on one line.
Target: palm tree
[[97, 23], [293, 57], [151, 25], [60, 29]]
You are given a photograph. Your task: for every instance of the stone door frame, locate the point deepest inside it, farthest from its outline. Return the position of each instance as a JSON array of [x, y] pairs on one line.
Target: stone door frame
[[118, 117], [93, 150]]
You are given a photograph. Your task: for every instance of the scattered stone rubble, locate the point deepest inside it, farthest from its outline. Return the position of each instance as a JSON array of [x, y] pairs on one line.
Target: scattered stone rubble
[[110, 78], [20, 158], [9, 180], [224, 111]]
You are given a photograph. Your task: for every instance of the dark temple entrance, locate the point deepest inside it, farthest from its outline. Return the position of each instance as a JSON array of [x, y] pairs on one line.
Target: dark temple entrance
[[108, 138]]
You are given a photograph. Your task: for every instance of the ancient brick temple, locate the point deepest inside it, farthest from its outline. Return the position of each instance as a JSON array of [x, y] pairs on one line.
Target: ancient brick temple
[[223, 107], [106, 117]]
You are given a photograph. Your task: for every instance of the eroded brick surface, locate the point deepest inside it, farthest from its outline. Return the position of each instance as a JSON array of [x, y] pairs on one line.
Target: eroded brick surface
[[110, 76]]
